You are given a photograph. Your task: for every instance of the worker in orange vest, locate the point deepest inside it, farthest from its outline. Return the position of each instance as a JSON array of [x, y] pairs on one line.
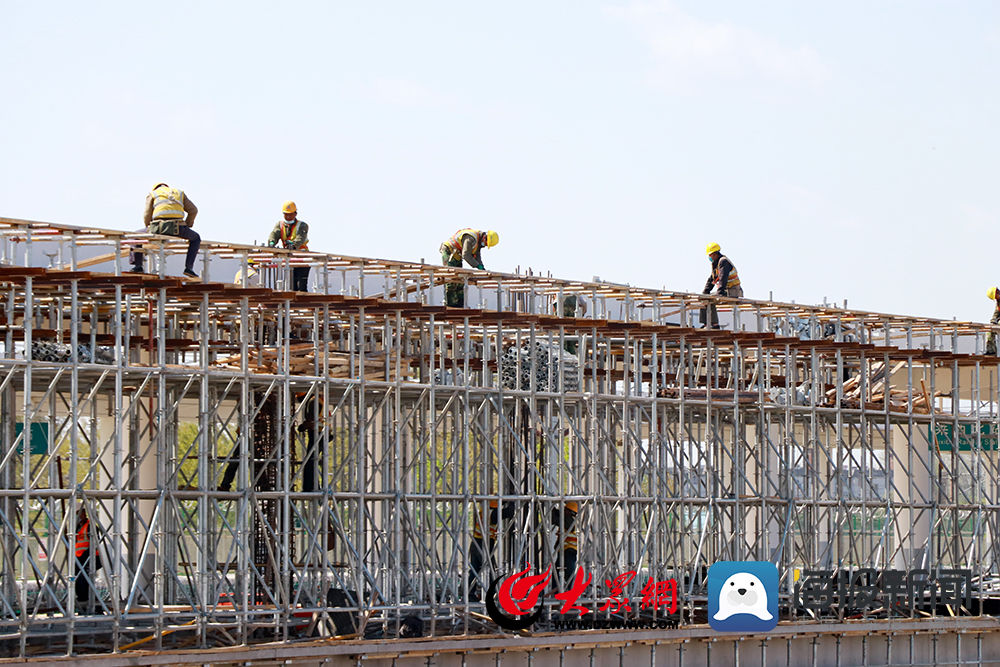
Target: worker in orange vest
[[465, 244], [83, 585], [293, 235]]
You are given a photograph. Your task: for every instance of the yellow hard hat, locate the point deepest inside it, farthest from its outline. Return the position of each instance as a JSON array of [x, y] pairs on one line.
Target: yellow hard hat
[[158, 185], [288, 207], [573, 506], [992, 293], [712, 247], [492, 238]]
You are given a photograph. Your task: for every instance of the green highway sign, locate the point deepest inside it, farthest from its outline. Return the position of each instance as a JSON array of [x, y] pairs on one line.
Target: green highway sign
[[39, 438], [944, 437]]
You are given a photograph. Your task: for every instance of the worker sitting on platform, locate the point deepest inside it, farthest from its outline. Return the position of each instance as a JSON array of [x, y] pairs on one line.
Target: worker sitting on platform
[[165, 212], [294, 235], [466, 244], [991, 342], [482, 544], [564, 523], [724, 277]]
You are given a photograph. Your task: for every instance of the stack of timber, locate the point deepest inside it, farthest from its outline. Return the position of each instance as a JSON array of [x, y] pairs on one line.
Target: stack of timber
[[303, 361], [878, 389]]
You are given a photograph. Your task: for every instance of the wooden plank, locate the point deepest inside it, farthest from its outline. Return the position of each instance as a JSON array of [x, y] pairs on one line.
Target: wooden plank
[[99, 259]]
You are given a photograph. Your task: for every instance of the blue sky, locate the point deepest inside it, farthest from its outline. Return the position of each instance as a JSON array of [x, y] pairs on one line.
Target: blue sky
[[838, 150]]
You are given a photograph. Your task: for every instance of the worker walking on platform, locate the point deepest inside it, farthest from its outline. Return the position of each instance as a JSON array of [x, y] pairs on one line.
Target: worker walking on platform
[[294, 235], [991, 340], [725, 278], [166, 208], [466, 244]]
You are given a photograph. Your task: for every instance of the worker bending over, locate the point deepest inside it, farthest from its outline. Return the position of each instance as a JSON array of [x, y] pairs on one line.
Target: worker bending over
[[166, 208], [294, 235], [466, 244], [991, 342], [724, 277]]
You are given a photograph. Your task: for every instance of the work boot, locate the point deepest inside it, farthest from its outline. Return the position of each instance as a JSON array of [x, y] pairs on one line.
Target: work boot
[[190, 273], [136, 268]]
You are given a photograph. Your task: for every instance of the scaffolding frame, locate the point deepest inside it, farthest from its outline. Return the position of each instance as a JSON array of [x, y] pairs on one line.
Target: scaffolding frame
[[364, 428]]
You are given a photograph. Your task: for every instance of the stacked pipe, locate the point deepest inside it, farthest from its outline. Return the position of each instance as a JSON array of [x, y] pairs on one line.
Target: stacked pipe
[[516, 368], [63, 352]]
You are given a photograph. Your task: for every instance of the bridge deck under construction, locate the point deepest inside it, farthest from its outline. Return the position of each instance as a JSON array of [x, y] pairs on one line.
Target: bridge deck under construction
[[260, 465]]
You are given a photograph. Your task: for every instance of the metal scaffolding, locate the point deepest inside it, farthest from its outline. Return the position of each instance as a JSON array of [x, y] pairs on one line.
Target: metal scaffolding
[[258, 464]]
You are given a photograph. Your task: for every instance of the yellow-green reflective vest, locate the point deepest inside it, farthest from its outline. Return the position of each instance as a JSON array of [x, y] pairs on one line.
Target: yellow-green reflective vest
[[168, 203]]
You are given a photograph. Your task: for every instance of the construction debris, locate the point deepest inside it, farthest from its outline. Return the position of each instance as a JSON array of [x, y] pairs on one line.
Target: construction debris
[[303, 360]]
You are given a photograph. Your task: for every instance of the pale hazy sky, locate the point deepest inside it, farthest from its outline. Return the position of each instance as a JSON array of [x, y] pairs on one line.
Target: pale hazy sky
[[841, 149]]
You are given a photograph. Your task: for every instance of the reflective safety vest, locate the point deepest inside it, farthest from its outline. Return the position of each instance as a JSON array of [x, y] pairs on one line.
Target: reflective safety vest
[[168, 203], [455, 242], [477, 528], [569, 542], [288, 233], [734, 277], [83, 539]]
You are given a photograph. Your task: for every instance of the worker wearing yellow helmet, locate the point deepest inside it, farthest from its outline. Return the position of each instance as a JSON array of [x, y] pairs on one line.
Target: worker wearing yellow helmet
[[171, 213], [293, 235], [991, 340], [465, 244], [724, 278]]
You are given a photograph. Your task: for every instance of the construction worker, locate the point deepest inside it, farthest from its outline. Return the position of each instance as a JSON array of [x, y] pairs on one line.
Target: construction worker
[[81, 548], [724, 277], [166, 208], [564, 522], [294, 235], [311, 463], [465, 244], [483, 543], [991, 340], [572, 304]]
